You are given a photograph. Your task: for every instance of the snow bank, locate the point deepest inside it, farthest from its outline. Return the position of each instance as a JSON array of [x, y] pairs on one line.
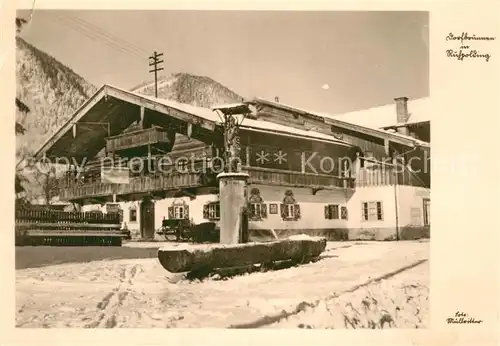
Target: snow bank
[[394, 303]]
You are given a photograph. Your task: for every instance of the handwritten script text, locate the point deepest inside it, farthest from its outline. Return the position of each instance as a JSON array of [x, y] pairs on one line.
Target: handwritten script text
[[461, 318], [465, 52]]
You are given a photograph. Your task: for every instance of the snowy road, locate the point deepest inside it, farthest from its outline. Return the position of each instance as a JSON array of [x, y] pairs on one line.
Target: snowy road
[[140, 293]]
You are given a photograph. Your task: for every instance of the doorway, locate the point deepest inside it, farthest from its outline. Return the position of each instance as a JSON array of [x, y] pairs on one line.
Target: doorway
[[147, 221]]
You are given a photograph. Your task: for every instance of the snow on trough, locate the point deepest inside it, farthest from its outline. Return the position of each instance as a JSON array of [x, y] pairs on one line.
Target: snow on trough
[[304, 237]]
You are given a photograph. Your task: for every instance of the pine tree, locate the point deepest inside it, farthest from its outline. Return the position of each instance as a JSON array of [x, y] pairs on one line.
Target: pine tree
[[21, 106]]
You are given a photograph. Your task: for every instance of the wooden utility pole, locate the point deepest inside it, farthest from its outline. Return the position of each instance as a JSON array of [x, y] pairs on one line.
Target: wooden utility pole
[[154, 61]]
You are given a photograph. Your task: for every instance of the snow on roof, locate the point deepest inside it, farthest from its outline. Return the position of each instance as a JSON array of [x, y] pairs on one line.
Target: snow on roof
[[273, 127], [385, 116], [375, 117], [229, 105], [209, 114], [356, 120]]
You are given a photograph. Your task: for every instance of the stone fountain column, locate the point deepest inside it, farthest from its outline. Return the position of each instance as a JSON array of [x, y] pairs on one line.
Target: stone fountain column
[[232, 187]]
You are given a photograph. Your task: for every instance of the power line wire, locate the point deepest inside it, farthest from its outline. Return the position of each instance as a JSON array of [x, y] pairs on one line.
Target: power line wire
[[106, 34], [102, 39], [106, 41]]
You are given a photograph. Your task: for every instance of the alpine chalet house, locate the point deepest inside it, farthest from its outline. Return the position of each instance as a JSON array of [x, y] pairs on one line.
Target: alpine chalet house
[[310, 173]]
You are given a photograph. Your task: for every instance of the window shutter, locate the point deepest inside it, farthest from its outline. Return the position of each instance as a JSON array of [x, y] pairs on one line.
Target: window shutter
[[283, 210], [249, 210], [263, 210], [205, 211], [217, 211], [186, 212], [343, 213], [296, 209], [327, 214], [170, 212]]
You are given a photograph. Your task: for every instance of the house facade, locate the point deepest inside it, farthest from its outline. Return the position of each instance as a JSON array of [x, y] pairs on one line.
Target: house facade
[[308, 173]]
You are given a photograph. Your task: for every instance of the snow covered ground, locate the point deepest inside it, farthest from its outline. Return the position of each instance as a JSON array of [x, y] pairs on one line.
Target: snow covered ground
[[354, 285]]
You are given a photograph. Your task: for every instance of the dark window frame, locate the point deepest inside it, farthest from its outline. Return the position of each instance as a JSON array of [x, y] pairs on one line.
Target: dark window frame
[[367, 216]]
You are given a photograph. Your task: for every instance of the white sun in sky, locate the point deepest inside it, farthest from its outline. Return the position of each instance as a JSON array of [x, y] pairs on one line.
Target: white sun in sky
[[325, 87]]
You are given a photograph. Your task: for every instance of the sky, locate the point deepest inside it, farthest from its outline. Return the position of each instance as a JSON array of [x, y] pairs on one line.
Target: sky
[[327, 61]]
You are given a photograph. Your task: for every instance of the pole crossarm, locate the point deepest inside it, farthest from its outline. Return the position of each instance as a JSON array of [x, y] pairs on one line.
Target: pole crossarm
[[155, 62]]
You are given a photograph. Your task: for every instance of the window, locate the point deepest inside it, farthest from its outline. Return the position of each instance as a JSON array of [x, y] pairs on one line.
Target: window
[[178, 210], [273, 208], [133, 215], [214, 211], [211, 211], [372, 211], [257, 209], [335, 212], [332, 212], [427, 211], [290, 209]]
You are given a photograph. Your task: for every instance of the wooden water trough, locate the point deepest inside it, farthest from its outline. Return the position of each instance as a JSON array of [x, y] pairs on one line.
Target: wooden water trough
[[205, 258]]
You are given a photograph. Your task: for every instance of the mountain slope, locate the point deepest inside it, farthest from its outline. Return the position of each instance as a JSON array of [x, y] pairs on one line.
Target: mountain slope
[[50, 89], [194, 90]]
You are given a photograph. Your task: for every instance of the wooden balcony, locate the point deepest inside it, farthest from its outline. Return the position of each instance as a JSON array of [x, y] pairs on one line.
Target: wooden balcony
[[379, 177], [144, 183], [267, 176], [139, 138], [136, 185], [364, 178]]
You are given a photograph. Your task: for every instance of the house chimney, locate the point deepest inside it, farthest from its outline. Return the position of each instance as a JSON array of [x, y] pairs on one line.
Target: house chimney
[[401, 109], [402, 113]]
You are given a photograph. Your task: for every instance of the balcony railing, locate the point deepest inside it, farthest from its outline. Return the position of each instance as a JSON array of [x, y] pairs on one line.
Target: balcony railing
[[260, 175], [137, 138], [366, 177], [136, 185]]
